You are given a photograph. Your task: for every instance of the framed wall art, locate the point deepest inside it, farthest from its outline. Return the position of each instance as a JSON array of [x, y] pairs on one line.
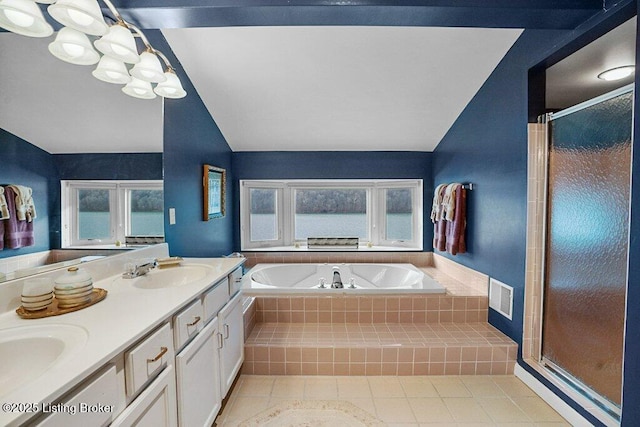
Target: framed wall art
[[214, 181]]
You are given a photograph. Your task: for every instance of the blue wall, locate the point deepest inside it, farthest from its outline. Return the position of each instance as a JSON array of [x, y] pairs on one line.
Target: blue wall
[[487, 146], [191, 140], [334, 165], [109, 166], [23, 163]]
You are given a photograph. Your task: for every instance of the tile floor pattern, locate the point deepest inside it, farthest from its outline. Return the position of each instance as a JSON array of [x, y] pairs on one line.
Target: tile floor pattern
[[472, 400]]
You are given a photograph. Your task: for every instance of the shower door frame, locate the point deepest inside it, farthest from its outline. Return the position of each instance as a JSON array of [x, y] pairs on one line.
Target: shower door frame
[[537, 192]]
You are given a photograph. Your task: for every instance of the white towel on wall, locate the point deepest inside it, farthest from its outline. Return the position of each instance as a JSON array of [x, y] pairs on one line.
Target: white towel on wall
[[436, 212], [25, 207], [449, 201], [4, 209]]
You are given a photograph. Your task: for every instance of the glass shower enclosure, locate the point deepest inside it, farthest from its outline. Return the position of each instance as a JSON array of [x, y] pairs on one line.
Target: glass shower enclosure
[[587, 234]]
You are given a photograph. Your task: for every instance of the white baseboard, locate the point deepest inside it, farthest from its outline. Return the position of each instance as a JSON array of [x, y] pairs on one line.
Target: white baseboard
[[559, 405]]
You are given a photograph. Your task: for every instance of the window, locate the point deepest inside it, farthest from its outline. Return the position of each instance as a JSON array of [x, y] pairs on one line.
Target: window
[[103, 212], [286, 213]]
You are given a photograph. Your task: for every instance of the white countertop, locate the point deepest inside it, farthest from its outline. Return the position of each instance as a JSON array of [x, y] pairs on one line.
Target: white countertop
[[112, 325]]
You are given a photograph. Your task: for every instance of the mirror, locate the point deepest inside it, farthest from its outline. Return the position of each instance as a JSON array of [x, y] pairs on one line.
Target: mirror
[[65, 112]]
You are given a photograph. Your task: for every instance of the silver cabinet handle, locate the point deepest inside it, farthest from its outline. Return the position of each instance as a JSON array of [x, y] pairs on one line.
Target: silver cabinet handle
[[220, 341], [226, 331]]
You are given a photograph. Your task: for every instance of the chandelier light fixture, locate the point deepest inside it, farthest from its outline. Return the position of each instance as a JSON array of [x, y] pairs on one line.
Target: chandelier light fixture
[[86, 35]]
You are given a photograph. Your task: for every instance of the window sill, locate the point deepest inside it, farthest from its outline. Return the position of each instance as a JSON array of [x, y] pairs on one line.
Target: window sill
[[106, 247], [336, 249]]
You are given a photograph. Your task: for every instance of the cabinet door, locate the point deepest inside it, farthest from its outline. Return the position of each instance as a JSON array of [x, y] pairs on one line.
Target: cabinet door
[[93, 404], [155, 406], [198, 379], [232, 351]]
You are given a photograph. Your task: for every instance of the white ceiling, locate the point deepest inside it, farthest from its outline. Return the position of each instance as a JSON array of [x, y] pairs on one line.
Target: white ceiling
[[62, 108], [575, 78], [337, 88], [289, 88]]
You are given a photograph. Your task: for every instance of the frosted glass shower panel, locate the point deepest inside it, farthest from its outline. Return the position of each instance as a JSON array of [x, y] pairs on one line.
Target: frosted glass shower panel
[[586, 249]]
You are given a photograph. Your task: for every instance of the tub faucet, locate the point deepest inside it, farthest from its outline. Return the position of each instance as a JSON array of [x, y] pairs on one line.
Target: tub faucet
[[337, 280]]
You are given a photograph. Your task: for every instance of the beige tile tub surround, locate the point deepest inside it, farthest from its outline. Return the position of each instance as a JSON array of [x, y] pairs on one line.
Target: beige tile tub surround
[[458, 279], [535, 243], [394, 334], [343, 308]]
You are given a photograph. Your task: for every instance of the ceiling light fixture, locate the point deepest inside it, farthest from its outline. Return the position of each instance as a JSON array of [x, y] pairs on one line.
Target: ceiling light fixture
[[617, 73], [116, 42]]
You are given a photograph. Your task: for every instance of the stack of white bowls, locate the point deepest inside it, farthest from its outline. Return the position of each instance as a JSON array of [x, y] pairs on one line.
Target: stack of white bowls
[[74, 288], [37, 293]]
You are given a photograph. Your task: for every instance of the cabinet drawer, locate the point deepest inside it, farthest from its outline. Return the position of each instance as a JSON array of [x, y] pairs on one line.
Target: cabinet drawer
[[235, 281], [215, 298], [94, 404], [187, 324], [144, 361]]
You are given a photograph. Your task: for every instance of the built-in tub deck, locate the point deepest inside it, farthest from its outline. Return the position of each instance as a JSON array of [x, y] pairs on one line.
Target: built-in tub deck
[[367, 334]]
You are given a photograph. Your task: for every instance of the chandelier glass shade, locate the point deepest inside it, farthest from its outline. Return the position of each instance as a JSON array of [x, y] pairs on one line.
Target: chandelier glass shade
[[23, 17], [149, 68], [111, 70], [119, 43], [139, 89], [74, 47], [171, 87], [81, 15], [85, 36]]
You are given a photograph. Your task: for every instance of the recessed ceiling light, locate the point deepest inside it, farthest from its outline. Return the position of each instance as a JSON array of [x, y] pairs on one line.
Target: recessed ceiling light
[[617, 73]]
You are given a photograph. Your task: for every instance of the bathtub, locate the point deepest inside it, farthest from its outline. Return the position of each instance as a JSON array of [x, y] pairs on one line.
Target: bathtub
[[266, 279]]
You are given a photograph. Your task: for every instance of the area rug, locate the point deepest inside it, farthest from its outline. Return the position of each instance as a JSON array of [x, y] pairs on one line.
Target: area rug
[[313, 413]]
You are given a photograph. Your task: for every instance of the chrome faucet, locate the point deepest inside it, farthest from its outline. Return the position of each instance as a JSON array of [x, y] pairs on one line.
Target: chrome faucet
[[337, 280], [135, 269]]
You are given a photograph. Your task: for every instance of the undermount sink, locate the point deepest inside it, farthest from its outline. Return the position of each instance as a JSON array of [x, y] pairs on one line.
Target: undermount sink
[[169, 277], [27, 352]]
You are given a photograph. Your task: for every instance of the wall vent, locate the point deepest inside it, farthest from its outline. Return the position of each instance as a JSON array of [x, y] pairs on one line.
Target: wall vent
[[501, 298]]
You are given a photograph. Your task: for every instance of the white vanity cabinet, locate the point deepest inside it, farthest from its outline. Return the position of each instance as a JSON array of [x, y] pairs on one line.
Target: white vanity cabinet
[[208, 364], [232, 341], [155, 406], [94, 403], [198, 379], [176, 371], [150, 362]]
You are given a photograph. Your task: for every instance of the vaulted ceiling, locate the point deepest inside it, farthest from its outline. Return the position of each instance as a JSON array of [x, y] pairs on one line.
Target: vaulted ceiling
[[285, 75]]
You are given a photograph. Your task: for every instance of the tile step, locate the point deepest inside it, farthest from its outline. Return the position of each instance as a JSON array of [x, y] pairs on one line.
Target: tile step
[[378, 349]]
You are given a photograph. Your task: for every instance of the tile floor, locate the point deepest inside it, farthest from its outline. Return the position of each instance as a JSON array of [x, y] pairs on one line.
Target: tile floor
[[401, 401]]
